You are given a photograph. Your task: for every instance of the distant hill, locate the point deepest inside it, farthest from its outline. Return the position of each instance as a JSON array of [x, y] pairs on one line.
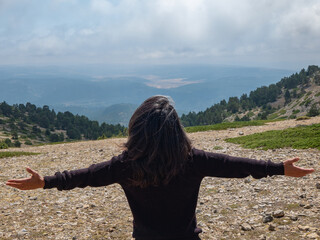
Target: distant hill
[[291, 97], [117, 114]]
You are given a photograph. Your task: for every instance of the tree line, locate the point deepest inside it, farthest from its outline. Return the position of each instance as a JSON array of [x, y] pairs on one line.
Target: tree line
[[257, 98], [45, 121]]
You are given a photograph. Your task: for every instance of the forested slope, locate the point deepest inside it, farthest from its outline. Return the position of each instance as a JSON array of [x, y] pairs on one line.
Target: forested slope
[[29, 124], [296, 95]]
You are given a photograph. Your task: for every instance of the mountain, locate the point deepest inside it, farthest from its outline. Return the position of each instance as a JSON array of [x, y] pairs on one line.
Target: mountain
[[291, 97], [117, 113], [88, 90]]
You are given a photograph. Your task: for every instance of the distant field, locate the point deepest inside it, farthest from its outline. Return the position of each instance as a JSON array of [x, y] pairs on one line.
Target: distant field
[[226, 125], [301, 137], [16, 154]]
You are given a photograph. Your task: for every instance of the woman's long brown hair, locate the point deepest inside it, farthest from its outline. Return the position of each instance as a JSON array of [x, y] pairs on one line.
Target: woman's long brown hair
[[157, 145]]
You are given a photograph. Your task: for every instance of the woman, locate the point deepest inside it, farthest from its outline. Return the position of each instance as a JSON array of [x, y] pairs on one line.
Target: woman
[[160, 173]]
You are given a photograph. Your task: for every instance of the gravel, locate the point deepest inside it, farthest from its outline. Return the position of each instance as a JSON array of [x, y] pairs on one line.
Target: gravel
[[225, 206]]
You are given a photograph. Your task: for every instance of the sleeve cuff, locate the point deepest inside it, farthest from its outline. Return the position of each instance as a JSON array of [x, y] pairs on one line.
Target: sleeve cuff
[[50, 182], [275, 168]]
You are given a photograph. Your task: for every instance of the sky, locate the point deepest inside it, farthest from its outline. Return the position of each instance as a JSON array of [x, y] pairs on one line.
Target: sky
[[264, 33]]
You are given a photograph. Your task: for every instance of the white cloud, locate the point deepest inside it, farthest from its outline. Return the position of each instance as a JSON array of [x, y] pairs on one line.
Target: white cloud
[[101, 6], [231, 31]]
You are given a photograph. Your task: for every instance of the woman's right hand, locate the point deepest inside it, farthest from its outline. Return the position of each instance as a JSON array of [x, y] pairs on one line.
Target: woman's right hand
[[30, 183]]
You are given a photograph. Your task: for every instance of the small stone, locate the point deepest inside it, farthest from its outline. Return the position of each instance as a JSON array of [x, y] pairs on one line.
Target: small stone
[[318, 185], [303, 228], [303, 195], [246, 227], [267, 219], [61, 200], [308, 206], [278, 214], [272, 227], [241, 133], [22, 232], [313, 236], [262, 237], [257, 189], [19, 211], [100, 219], [293, 218], [247, 180], [302, 204], [33, 198]]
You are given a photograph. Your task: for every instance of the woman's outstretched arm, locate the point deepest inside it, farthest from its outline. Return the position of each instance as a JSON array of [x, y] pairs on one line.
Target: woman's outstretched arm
[[33, 182], [96, 175], [222, 165]]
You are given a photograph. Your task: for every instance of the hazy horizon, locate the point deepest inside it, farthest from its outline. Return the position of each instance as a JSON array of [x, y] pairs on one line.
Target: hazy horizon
[[194, 87]]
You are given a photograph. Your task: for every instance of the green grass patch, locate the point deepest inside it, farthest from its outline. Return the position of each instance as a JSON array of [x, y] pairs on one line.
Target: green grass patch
[[217, 148], [16, 154], [273, 116], [283, 111], [225, 125], [235, 205], [302, 137], [292, 206], [250, 114], [295, 111], [317, 95], [306, 102], [308, 93], [296, 104]]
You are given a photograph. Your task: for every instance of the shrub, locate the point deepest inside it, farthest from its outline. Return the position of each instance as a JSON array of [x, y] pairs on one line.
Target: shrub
[[302, 118], [54, 137], [14, 135], [314, 111], [28, 142], [17, 143], [3, 145], [102, 137], [8, 142]]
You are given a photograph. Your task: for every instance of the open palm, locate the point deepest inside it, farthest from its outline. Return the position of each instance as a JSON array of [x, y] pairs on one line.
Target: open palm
[[33, 182], [294, 171]]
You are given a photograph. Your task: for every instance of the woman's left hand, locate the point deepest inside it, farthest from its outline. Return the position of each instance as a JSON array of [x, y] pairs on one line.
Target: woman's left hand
[[293, 171]]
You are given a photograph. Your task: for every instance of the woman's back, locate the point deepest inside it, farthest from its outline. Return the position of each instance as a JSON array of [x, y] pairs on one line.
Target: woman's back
[[165, 211], [168, 211]]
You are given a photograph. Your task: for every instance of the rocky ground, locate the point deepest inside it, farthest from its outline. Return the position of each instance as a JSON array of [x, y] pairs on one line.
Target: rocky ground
[[272, 208]]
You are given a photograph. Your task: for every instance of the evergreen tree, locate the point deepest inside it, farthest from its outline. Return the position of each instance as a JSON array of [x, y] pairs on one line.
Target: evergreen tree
[[287, 96]]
